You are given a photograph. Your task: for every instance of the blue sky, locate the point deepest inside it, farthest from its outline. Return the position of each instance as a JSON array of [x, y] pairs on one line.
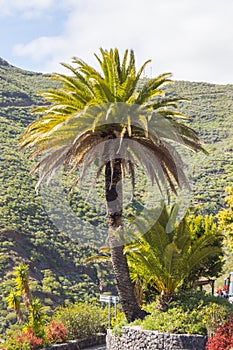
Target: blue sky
[[193, 39]]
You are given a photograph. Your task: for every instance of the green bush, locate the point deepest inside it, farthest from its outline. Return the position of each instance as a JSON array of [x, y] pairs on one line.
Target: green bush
[[189, 313], [177, 321], [81, 319], [190, 299], [117, 329], [171, 321], [118, 322]]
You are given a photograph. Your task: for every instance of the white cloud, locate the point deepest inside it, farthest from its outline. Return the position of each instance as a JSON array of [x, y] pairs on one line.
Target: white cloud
[[191, 38], [40, 49], [26, 8]]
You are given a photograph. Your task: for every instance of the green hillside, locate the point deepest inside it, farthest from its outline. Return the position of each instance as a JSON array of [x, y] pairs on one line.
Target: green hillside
[[28, 234], [211, 115]]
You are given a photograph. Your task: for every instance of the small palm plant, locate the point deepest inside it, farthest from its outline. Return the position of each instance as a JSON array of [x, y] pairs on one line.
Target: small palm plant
[[102, 116], [167, 254]]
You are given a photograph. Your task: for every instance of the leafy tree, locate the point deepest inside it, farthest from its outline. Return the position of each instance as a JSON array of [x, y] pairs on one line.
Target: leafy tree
[[164, 257], [93, 116], [225, 218]]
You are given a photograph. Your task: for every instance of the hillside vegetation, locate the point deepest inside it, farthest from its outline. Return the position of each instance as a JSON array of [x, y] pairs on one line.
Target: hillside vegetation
[[28, 234]]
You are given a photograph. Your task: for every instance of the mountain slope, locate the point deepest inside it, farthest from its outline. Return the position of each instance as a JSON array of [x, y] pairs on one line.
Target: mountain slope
[[211, 115], [57, 268]]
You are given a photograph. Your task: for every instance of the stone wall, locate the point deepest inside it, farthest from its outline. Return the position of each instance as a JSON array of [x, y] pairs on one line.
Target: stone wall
[[98, 339], [134, 338]]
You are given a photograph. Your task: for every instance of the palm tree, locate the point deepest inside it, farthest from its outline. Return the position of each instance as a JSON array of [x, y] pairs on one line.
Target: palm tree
[[102, 115], [22, 283], [164, 257]]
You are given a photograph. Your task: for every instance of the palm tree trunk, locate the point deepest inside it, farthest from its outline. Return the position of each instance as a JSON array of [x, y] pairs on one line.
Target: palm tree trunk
[[164, 300], [114, 199]]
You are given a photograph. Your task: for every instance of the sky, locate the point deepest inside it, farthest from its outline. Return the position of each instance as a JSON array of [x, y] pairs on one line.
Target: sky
[[193, 39]]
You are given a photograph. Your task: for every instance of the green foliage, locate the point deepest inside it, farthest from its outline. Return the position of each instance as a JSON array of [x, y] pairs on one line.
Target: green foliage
[[211, 266], [36, 317], [81, 319], [213, 310], [164, 258], [189, 313], [215, 315], [175, 320], [50, 283], [210, 113], [225, 218], [117, 329]]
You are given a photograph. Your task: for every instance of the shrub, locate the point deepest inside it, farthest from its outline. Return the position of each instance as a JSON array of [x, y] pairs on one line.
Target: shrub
[[117, 329], [119, 318], [56, 332], [175, 320], [23, 340], [29, 338], [189, 301], [190, 313], [117, 323], [81, 319], [214, 315], [223, 338]]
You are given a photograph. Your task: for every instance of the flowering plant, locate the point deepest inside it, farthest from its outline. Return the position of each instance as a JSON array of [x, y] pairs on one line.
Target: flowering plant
[[56, 332]]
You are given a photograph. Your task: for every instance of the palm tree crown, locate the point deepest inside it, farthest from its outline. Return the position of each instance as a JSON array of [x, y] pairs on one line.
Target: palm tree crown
[[90, 108]]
